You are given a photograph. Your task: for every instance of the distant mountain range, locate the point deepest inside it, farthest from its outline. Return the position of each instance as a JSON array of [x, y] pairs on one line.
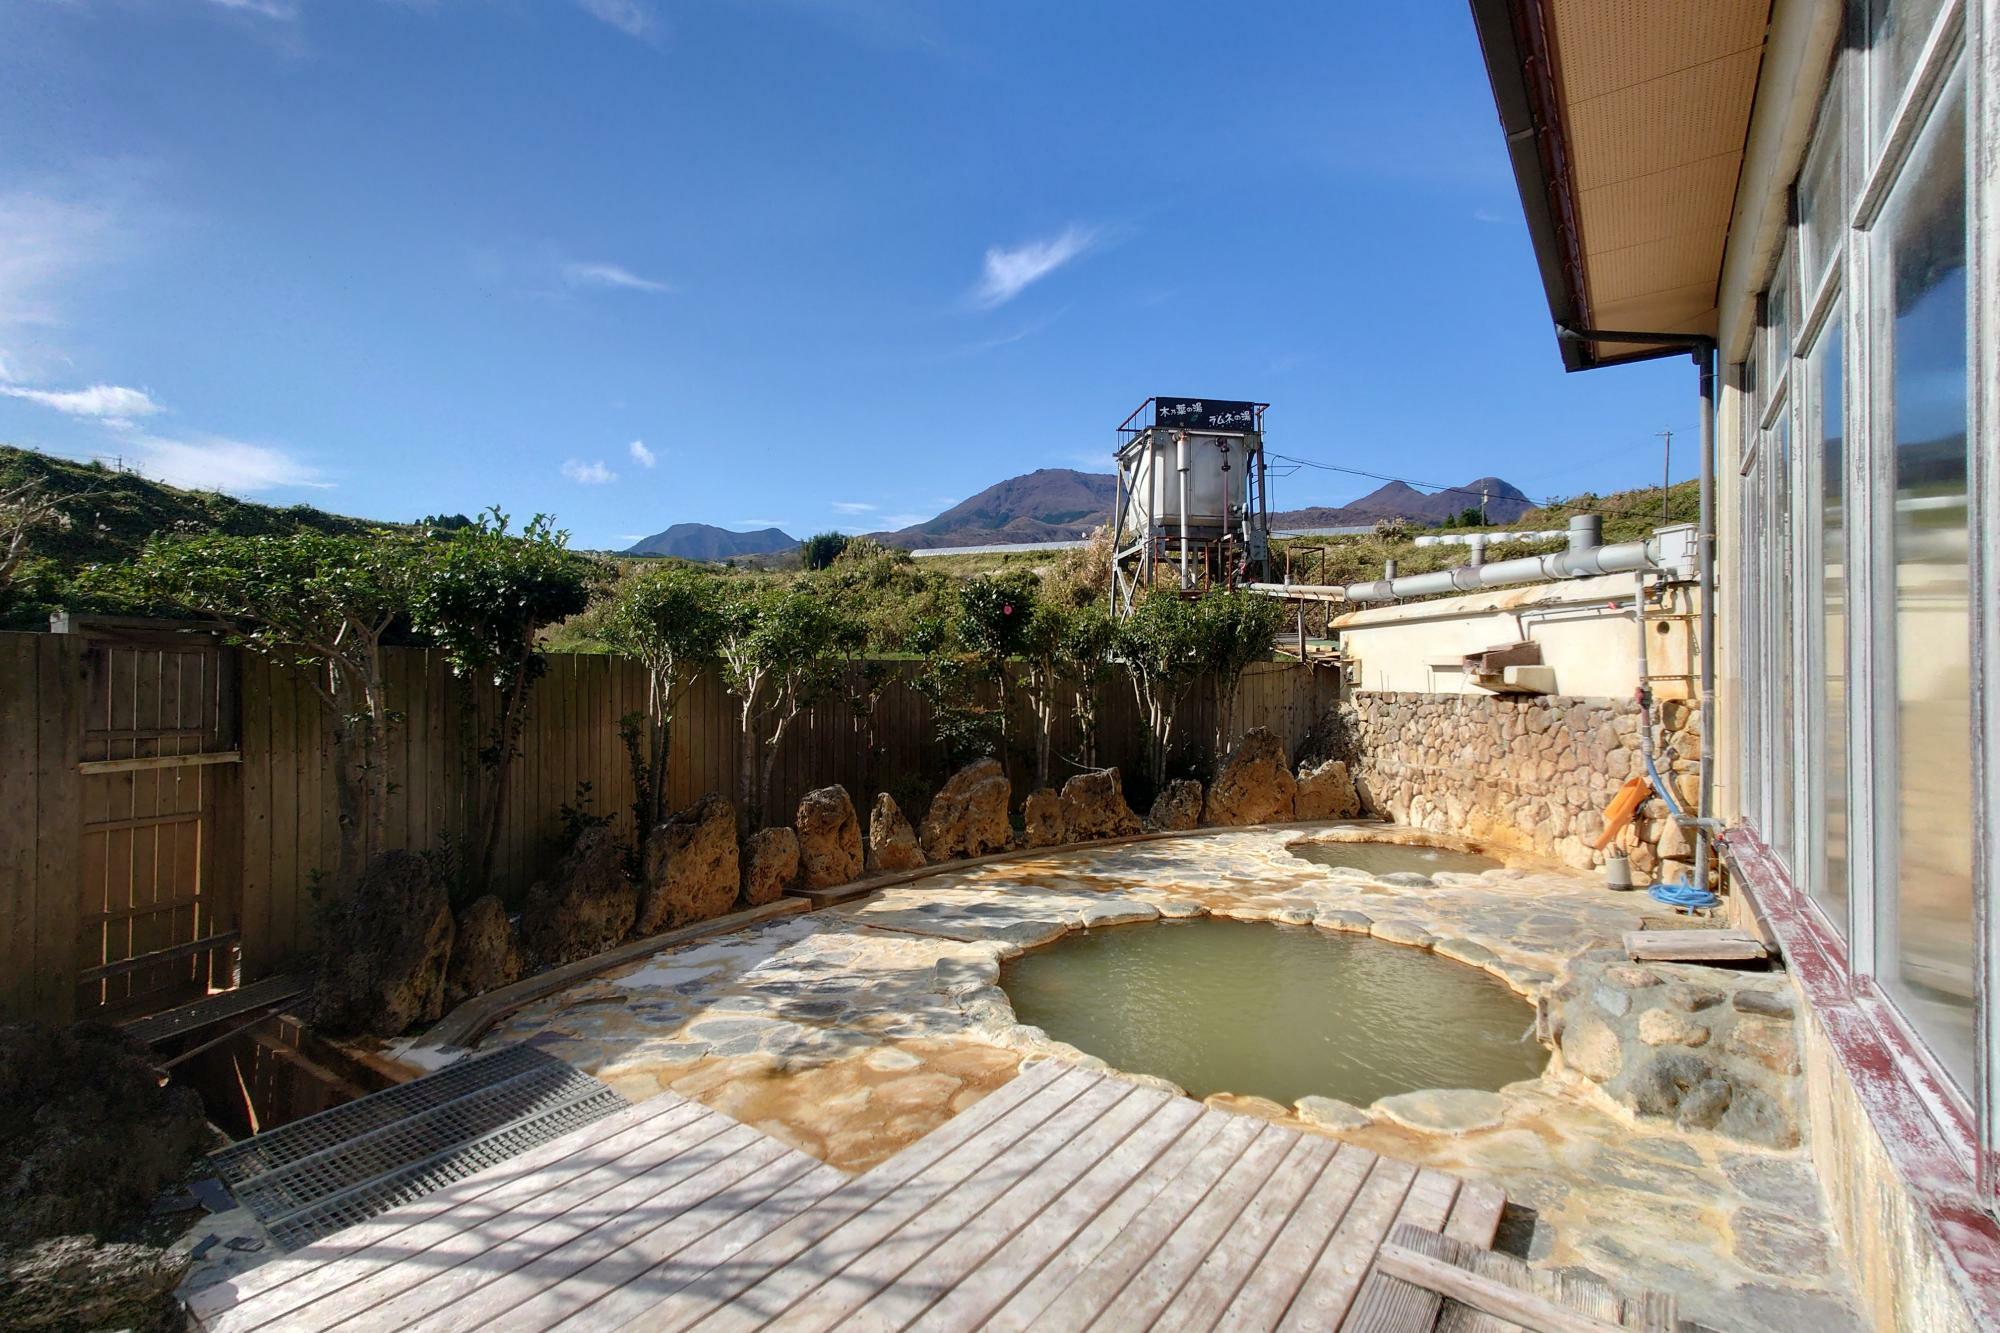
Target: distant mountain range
[[1055, 504], [705, 541]]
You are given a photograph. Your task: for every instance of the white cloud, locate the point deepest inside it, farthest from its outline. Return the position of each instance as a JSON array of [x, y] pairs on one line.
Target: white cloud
[[99, 400], [641, 454], [853, 507], [1008, 272], [761, 522], [634, 18], [1488, 215], [44, 241], [270, 9], [609, 275], [213, 463], [588, 474]]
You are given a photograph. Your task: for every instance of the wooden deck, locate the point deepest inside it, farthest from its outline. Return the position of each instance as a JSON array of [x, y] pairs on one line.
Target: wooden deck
[[1063, 1199]]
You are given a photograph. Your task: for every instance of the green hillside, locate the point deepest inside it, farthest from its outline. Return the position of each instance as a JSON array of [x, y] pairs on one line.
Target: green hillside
[[111, 514]]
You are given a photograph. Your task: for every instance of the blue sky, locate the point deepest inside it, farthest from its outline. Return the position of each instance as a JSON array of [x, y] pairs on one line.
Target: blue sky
[[815, 263]]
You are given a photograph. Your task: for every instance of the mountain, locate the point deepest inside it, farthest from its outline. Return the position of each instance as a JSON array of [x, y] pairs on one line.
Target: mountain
[[1058, 504], [1050, 504], [705, 541], [1504, 504]]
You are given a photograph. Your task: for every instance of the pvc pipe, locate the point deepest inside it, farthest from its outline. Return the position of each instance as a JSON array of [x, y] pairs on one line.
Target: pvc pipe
[[1705, 575], [1181, 462], [1624, 558], [1586, 532]]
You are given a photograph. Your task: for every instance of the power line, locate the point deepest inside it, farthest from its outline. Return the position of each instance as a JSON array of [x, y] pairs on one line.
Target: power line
[[1545, 505]]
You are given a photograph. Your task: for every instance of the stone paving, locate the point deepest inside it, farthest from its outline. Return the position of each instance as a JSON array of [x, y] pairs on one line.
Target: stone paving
[[853, 1031]]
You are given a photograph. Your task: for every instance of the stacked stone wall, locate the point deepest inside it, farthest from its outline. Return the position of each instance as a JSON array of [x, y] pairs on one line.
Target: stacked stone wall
[[1532, 772]]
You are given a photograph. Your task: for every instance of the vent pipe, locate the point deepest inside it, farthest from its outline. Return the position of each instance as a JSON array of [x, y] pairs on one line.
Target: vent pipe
[[1586, 532]]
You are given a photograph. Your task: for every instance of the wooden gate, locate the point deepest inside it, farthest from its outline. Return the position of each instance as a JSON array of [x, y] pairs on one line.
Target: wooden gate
[[157, 921]]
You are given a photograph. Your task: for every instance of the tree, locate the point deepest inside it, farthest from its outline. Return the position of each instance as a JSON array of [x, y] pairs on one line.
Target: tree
[[26, 508], [483, 595], [318, 603], [994, 615], [1089, 636], [1160, 646], [783, 648], [670, 619], [1063, 648], [1235, 629], [821, 549]]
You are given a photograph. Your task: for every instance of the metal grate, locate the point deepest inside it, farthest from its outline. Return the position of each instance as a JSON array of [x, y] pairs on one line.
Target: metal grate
[[314, 1176], [156, 1028]]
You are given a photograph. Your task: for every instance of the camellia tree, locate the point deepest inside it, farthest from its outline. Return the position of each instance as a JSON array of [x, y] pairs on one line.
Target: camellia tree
[[318, 603], [1236, 630], [483, 595], [782, 648], [671, 619], [1161, 646], [994, 616], [1064, 651]]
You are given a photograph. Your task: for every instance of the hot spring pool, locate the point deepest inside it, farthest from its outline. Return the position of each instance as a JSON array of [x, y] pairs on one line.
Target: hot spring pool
[[1275, 1011], [1387, 858]]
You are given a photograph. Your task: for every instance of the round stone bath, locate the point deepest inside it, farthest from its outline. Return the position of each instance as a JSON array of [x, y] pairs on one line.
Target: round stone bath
[[1391, 858], [1275, 1011]]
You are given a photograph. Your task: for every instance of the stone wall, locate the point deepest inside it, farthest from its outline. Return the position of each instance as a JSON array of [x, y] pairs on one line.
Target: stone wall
[[1532, 772]]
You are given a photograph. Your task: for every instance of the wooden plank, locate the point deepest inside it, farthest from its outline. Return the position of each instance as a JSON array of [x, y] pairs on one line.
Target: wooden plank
[[1429, 1201], [1387, 1303], [60, 683], [147, 763], [1484, 1293], [1693, 946], [1094, 1288], [816, 1285], [1324, 1296], [254, 795], [1021, 1209], [562, 1159], [1155, 1286], [460, 1249], [719, 1289], [950, 1218], [1230, 1262], [188, 949], [20, 825], [1475, 1215]]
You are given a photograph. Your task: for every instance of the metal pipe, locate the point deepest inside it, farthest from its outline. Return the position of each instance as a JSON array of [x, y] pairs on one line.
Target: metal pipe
[[1705, 579], [1624, 558], [1586, 531], [1181, 461], [1475, 550]]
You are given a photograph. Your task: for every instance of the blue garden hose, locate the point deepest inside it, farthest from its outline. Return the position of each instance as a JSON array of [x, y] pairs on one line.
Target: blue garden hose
[[1683, 895]]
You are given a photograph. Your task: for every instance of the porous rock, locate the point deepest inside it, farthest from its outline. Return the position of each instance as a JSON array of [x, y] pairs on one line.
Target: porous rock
[[1178, 806], [829, 838], [770, 865], [485, 951], [1326, 792], [1042, 819], [391, 944], [1253, 784], [692, 868], [1093, 806], [88, 1135], [968, 816], [892, 843], [74, 1282], [584, 908]]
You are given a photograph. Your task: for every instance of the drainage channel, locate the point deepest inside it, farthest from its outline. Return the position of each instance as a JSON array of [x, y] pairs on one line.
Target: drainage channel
[[345, 1165]]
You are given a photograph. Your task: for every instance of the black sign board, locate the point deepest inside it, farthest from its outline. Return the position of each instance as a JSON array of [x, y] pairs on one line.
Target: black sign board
[[1205, 414]]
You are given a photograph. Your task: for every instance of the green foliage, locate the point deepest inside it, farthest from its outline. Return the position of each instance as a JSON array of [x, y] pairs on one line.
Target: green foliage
[[671, 619], [995, 612], [821, 549], [783, 648]]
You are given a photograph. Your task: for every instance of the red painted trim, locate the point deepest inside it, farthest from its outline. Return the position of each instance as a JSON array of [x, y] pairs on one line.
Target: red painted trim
[[1922, 1119]]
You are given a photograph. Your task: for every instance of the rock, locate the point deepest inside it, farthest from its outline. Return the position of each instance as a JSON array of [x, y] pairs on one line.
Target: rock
[[485, 951], [1093, 806], [73, 1282], [1612, 1001], [1464, 951], [1443, 1110], [1632, 976], [1042, 819], [1342, 919], [1252, 784], [829, 838], [1326, 792], [88, 1136], [584, 908], [770, 865], [1591, 1048], [1178, 806], [693, 871], [1397, 931], [389, 944], [1332, 1113], [1780, 1245], [1670, 1027], [1693, 999], [1662, 1082], [968, 816], [1673, 844], [892, 843], [1770, 1043], [1763, 1003], [1704, 1104], [1756, 1118]]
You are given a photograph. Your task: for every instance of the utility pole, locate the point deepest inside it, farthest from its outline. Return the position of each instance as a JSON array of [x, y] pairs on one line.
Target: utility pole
[[1483, 493], [1666, 472]]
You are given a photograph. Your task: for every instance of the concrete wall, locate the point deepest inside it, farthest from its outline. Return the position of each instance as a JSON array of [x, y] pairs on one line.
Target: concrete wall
[[1584, 627]]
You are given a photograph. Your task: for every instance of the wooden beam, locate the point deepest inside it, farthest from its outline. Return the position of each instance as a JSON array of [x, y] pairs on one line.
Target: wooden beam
[[159, 761], [1485, 1294], [1694, 946], [208, 944]]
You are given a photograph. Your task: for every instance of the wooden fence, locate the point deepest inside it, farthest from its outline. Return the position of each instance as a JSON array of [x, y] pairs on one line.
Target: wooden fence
[[267, 830]]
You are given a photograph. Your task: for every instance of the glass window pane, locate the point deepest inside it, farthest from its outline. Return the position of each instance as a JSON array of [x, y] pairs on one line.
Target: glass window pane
[[1829, 767], [1778, 320], [1822, 189], [1897, 30], [1778, 602], [1926, 924]]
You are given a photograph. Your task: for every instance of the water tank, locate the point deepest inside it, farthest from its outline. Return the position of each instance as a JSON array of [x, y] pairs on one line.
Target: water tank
[[1217, 481]]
